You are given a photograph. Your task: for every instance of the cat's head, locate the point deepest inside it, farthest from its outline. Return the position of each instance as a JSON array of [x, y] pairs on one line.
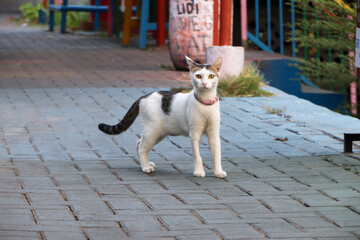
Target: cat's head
[[204, 76]]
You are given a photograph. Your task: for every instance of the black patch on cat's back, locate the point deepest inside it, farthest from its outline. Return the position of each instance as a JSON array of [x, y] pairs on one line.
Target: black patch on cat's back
[[167, 98]]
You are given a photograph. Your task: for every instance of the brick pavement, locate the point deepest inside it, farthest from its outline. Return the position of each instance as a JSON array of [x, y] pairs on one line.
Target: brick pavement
[[60, 178]]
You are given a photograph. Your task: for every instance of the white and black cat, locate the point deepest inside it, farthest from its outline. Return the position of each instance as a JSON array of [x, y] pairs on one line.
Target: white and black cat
[[190, 114]]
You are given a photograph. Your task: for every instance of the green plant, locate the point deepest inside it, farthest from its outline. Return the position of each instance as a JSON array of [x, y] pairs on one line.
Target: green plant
[[74, 19], [247, 84], [31, 12], [324, 37], [272, 110]]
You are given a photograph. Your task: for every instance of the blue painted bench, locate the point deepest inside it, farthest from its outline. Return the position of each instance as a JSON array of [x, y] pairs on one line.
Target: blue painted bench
[[64, 8]]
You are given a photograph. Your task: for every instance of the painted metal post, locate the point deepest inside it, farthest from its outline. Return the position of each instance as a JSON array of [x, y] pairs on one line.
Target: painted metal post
[[257, 19], [216, 23], [51, 18], [268, 5], [225, 22], [281, 26], [63, 18], [117, 18], [293, 28], [96, 17], [161, 11], [353, 95], [244, 38], [127, 22], [109, 18]]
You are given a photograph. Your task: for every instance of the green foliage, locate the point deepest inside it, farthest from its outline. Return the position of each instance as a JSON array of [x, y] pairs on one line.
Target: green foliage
[[31, 12], [74, 19], [325, 32], [247, 84], [272, 110]]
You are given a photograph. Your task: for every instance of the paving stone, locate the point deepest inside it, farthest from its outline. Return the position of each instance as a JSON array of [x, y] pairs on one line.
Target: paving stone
[[284, 204], [148, 188], [344, 218], [165, 202], [277, 226], [181, 222], [314, 222], [64, 235], [48, 197], [237, 231], [54, 214], [197, 198], [250, 208], [19, 235], [316, 200], [342, 193], [125, 203], [17, 219], [143, 224], [104, 233], [11, 198], [212, 216]]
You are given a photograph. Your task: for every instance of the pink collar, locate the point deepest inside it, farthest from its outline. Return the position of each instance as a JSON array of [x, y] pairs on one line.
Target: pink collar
[[206, 102]]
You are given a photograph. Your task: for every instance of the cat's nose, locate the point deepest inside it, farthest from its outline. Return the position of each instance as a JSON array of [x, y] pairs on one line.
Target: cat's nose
[[204, 84]]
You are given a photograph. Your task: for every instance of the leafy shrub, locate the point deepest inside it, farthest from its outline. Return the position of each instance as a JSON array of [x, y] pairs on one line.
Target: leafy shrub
[[325, 34], [31, 12]]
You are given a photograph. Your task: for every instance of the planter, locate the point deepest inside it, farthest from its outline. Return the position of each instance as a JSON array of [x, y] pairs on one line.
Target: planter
[[190, 30], [233, 59]]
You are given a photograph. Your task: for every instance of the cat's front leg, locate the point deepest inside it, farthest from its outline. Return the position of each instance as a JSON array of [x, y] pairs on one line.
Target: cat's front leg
[[215, 148], [198, 165]]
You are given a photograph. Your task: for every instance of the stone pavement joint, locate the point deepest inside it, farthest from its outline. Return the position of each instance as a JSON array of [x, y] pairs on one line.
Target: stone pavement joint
[[61, 178]]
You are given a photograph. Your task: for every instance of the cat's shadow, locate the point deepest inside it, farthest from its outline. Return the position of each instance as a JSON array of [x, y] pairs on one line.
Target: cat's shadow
[[128, 173]]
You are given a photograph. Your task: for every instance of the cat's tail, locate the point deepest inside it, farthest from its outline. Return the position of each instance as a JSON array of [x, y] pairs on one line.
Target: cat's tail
[[125, 123]]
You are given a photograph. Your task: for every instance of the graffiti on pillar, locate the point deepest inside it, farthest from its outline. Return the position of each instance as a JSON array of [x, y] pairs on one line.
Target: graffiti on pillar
[[190, 30]]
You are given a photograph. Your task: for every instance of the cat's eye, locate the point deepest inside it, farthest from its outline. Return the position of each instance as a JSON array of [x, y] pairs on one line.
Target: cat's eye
[[211, 76], [198, 76]]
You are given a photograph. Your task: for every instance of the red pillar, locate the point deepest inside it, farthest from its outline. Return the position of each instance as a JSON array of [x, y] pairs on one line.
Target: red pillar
[[225, 22], [161, 11], [109, 18], [216, 23]]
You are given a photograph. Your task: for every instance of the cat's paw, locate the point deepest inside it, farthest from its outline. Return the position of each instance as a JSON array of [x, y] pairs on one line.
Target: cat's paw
[[149, 169], [220, 174], [199, 173]]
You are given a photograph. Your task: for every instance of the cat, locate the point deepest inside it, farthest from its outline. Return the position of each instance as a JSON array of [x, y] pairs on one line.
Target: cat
[[171, 113]]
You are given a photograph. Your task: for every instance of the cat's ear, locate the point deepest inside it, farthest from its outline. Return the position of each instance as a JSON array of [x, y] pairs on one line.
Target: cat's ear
[[217, 64], [192, 64], [189, 61]]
